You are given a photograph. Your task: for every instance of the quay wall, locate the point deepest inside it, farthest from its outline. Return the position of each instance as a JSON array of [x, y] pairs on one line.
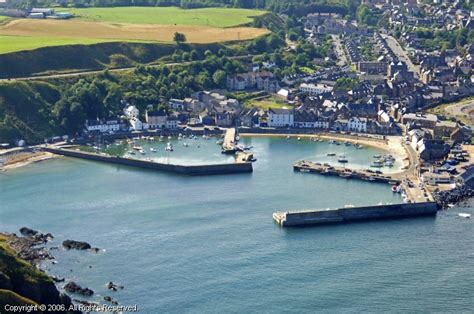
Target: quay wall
[[192, 170], [316, 217]]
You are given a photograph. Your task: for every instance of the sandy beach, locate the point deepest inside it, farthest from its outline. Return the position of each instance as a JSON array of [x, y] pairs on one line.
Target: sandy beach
[[26, 159]]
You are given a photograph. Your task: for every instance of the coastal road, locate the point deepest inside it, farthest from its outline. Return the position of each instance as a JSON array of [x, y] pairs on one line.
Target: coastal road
[[401, 53], [90, 72]]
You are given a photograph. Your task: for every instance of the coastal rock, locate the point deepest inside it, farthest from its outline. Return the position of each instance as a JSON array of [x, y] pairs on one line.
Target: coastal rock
[[454, 196], [27, 232], [113, 287], [57, 279], [72, 287], [76, 245]]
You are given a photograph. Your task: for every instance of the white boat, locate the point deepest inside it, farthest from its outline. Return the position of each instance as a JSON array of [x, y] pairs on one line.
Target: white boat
[[342, 159], [137, 147], [389, 164], [169, 147], [299, 138], [169, 137], [153, 150], [185, 144], [142, 152], [464, 215], [288, 137]]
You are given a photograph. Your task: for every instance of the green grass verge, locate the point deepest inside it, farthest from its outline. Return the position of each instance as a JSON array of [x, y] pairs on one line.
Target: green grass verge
[[266, 104], [213, 17], [18, 43]]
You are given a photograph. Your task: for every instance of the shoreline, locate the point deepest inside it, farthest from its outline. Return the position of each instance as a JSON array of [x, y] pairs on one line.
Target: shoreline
[[27, 160], [389, 144]]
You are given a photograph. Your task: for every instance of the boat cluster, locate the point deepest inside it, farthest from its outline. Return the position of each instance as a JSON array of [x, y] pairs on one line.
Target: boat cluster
[[383, 161]]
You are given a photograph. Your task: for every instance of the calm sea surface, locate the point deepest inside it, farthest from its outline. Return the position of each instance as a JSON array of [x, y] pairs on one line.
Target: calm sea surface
[[208, 244]]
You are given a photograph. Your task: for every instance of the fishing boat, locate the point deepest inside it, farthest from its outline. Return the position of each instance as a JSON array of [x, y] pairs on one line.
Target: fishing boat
[[331, 154], [376, 165], [169, 147], [342, 159]]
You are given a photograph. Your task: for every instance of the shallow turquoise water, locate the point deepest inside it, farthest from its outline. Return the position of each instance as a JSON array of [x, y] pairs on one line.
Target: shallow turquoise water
[[208, 244]]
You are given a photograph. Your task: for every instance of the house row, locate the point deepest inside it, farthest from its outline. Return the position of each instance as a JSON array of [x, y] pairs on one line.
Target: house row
[[253, 80]]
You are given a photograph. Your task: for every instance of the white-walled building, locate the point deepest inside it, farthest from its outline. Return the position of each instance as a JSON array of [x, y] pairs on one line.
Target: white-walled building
[[104, 126], [315, 89], [131, 112], [280, 118], [356, 124]]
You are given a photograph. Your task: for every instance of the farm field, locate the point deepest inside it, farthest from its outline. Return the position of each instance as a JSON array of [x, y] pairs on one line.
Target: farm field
[[18, 43], [212, 17], [118, 25]]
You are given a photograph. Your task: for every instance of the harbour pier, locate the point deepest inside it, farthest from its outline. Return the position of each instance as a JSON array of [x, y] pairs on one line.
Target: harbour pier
[[229, 146], [352, 214], [191, 170], [326, 169]]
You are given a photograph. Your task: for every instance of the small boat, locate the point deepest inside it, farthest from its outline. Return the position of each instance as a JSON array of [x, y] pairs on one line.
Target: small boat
[[464, 215], [377, 156], [185, 144], [358, 146], [299, 138], [220, 142], [396, 188], [169, 137], [348, 143], [337, 143], [332, 142], [376, 165], [142, 152], [153, 150], [345, 175], [288, 137], [131, 152], [342, 159], [389, 164], [331, 154], [137, 147], [451, 205], [169, 147]]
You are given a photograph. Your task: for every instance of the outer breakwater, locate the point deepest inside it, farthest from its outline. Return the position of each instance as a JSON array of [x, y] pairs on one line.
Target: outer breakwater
[[192, 170], [350, 214]]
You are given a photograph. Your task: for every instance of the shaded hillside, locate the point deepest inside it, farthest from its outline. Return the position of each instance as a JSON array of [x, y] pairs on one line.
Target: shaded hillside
[[90, 57]]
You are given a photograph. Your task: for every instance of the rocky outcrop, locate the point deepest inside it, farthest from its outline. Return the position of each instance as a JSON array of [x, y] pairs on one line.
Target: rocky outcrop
[[454, 196], [20, 278], [76, 245], [73, 287], [27, 232]]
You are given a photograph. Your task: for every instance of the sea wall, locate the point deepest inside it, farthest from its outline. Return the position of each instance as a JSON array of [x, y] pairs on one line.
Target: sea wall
[[194, 170], [314, 217]]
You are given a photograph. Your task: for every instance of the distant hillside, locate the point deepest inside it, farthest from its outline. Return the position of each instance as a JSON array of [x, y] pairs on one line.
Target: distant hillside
[[298, 7]]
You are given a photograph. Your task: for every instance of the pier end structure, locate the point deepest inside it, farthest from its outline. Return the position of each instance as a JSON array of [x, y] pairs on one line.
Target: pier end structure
[[352, 214]]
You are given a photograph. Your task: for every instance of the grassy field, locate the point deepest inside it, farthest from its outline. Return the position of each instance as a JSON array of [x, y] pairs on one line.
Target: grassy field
[[212, 17], [133, 24], [18, 43], [267, 104]]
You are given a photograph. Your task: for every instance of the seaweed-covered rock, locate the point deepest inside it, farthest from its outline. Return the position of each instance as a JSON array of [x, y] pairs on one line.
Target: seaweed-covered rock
[[76, 245]]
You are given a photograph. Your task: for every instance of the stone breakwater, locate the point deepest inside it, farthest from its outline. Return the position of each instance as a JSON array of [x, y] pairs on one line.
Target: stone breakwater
[[194, 170], [454, 196]]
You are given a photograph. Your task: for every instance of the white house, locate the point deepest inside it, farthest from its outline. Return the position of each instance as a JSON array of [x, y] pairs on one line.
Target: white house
[[280, 117], [357, 124], [131, 112], [104, 126], [172, 122], [315, 89], [137, 125]]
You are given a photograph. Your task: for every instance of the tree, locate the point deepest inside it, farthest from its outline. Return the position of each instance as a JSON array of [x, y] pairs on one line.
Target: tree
[[179, 38], [220, 78]]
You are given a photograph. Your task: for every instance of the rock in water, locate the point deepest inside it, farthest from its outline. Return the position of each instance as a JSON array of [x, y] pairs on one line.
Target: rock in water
[[72, 287], [77, 245], [27, 232]]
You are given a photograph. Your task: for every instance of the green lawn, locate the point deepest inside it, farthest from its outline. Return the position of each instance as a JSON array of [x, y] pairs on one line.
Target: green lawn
[[214, 17], [266, 104], [18, 43]]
